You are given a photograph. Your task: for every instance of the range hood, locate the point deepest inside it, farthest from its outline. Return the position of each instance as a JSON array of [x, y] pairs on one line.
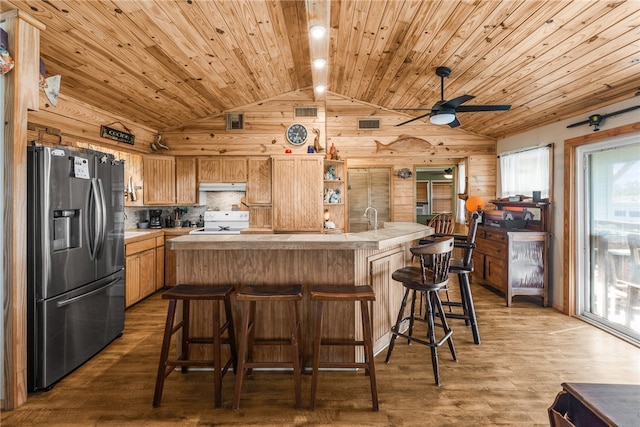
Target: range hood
[[222, 186]]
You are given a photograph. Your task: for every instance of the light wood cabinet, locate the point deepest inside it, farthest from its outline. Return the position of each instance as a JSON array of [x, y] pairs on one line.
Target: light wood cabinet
[[159, 180], [186, 185], [159, 262], [259, 181], [222, 169], [335, 195], [297, 192], [140, 270]]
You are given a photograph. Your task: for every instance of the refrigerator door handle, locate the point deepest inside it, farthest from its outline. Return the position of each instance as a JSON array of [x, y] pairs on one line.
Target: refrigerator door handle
[[96, 226], [88, 294], [102, 220]]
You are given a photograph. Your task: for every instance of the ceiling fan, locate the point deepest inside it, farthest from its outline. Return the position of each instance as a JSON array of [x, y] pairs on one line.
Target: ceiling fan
[[444, 112], [595, 119]]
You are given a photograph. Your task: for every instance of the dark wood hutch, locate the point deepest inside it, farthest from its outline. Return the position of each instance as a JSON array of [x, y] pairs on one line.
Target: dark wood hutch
[[512, 256]]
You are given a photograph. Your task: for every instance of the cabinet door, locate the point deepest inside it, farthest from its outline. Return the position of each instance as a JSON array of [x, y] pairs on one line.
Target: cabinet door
[[234, 169], [159, 262], [147, 273], [259, 181], [132, 280], [186, 191], [388, 294], [210, 169], [159, 180], [297, 193]]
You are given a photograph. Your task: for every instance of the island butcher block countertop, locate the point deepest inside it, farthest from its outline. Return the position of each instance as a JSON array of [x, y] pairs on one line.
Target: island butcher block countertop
[[390, 234]]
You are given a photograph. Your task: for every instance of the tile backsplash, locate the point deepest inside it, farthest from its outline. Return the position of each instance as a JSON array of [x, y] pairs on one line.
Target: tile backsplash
[[217, 201]]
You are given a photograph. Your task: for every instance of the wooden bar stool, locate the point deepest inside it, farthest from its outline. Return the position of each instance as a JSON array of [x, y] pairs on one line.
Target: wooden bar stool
[[364, 294], [248, 296], [186, 294], [430, 278]]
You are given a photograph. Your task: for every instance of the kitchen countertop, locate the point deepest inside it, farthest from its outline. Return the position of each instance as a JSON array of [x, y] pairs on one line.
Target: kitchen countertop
[[390, 234], [139, 234]]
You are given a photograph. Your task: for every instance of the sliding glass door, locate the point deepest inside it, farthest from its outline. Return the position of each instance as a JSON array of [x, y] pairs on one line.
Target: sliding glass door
[[608, 227]]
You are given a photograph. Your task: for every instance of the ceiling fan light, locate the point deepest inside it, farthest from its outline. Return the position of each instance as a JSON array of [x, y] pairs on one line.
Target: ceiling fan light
[[448, 173], [442, 118]]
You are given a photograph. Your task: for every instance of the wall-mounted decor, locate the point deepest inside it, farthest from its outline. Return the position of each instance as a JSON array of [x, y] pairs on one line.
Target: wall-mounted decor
[[118, 135]]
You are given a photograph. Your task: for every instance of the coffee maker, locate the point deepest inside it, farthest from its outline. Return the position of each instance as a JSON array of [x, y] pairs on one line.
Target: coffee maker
[[155, 218]]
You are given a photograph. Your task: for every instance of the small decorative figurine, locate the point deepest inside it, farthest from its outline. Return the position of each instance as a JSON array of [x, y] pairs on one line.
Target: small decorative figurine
[[330, 175]]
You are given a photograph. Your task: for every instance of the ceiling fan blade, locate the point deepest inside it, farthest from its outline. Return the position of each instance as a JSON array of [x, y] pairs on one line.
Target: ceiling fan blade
[[615, 113], [473, 108], [584, 122], [456, 102], [414, 119], [400, 109], [454, 123]]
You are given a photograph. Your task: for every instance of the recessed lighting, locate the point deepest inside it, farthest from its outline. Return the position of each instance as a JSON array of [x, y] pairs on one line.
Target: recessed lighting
[[319, 63], [320, 88], [317, 31]]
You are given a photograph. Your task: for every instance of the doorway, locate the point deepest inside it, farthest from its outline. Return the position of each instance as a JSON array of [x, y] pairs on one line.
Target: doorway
[[608, 224], [435, 192]]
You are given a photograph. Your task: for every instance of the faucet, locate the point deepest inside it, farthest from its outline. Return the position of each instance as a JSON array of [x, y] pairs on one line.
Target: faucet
[[375, 216]]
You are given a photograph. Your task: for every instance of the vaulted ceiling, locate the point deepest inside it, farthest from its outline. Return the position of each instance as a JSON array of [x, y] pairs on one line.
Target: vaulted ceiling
[[165, 63]]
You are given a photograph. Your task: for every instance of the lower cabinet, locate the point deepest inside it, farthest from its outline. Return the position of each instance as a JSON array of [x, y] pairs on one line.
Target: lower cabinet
[[513, 262], [144, 269]]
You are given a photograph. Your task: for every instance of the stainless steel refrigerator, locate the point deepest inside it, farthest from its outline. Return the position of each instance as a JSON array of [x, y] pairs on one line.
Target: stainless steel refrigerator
[[75, 232]]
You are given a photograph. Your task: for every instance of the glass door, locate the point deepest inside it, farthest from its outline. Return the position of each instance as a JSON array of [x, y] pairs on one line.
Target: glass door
[[608, 203]]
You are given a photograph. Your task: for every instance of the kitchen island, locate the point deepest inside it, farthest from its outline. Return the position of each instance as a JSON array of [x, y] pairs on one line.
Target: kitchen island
[[368, 257]]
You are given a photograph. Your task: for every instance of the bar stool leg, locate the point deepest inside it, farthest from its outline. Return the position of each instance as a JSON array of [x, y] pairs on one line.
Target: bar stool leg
[[242, 354], [295, 353], [465, 290], [217, 354], [232, 334], [445, 325], [185, 335], [368, 352], [164, 354], [316, 352], [396, 328], [432, 338]]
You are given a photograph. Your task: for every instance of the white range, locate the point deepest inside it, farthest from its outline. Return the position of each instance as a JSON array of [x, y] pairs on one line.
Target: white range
[[223, 222]]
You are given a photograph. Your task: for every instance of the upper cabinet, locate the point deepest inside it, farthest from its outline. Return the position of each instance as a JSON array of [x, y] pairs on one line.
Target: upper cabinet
[[259, 181], [159, 180], [169, 180], [186, 187], [222, 169], [297, 193]]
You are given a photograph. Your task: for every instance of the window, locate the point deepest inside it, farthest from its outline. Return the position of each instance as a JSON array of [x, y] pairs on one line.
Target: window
[[526, 171]]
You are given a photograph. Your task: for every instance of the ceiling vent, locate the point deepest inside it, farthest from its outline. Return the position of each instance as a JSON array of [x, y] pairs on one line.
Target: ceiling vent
[[235, 121], [305, 111], [368, 124]]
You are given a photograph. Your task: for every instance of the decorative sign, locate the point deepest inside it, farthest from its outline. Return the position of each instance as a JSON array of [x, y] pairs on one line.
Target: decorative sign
[[118, 135]]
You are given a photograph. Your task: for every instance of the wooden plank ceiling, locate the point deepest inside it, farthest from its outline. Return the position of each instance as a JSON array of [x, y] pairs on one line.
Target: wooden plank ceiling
[[166, 63]]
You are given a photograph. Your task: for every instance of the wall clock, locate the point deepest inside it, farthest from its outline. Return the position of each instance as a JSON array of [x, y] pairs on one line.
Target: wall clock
[[296, 134]]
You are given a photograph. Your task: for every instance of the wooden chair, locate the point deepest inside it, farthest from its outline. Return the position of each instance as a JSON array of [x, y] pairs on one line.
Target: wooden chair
[[463, 267], [429, 278], [442, 224]]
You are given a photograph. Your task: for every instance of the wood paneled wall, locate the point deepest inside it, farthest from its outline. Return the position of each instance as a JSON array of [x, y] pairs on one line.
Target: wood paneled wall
[[416, 144], [21, 95]]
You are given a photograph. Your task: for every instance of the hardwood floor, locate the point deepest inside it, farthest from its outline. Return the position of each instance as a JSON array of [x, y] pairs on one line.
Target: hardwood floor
[[510, 379]]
